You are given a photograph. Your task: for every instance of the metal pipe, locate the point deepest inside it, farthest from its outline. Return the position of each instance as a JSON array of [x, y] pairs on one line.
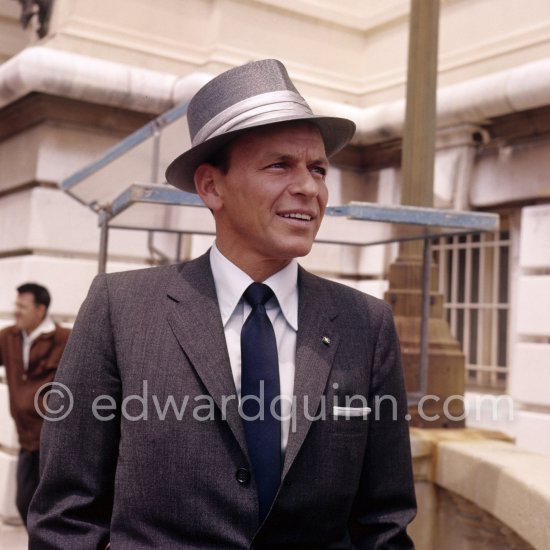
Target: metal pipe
[[103, 241], [425, 318], [155, 161]]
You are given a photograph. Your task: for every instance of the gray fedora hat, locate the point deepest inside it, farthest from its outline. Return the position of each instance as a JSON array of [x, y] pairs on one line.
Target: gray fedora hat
[[245, 97]]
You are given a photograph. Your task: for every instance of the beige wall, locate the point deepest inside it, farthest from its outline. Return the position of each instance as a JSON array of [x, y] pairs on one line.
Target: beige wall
[[352, 51]]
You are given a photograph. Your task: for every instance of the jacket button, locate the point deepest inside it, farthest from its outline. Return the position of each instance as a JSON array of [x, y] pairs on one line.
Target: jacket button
[[243, 476], [24, 377]]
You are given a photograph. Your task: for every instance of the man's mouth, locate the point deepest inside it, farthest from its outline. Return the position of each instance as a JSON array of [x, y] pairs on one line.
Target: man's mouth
[[297, 216]]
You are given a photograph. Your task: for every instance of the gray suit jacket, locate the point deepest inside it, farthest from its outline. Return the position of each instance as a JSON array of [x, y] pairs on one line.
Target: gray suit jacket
[[129, 465]]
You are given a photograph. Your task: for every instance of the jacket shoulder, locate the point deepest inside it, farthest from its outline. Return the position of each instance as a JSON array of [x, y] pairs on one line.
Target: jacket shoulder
[[138, 283], [146, 275], [62, 333], [8, 331], [135, 288]]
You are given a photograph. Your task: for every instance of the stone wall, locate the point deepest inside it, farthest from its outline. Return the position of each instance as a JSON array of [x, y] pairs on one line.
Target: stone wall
[[477, 490], [461, 524], [353, 52], [530, 377]]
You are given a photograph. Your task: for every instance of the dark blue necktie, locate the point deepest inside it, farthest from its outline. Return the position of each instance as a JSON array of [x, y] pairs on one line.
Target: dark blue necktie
[[260, 390]]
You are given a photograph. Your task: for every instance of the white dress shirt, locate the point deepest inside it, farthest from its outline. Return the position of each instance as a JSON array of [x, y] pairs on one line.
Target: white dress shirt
[[282, 310], [47, 325]]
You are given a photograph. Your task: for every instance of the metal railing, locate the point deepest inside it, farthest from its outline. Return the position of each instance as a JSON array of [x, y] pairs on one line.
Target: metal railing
[[474, 280]]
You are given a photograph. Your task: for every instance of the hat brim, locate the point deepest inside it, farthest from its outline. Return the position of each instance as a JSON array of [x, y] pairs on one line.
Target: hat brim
[[335, 132]]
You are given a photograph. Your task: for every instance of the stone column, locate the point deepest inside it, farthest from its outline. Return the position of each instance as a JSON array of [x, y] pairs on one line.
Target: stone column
[[445, 375]]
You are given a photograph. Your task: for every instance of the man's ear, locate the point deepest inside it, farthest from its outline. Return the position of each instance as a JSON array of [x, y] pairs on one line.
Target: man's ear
[[207, 185], [43, 310]]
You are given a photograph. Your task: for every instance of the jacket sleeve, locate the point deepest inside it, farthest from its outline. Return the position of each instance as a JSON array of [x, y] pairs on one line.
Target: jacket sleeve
[[385, 503], [79, 448]]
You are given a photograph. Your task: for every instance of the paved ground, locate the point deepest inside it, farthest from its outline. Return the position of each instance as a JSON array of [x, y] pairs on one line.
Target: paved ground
[[12, 538]]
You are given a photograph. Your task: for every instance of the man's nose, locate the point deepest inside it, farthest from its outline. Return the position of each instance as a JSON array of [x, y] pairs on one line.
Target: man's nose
[[304, 183]]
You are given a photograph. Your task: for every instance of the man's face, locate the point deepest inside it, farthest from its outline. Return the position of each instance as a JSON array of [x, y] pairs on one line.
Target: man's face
[[28, 315], [273, 197]]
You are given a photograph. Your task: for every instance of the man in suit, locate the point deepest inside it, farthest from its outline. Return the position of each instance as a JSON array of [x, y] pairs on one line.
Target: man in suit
[[30, 350], [234, 401]]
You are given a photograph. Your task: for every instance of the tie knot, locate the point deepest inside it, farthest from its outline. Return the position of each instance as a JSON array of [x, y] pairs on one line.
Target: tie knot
[[257, 293]]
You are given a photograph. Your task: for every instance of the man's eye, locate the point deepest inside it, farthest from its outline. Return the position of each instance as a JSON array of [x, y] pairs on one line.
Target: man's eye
[[319, 170]]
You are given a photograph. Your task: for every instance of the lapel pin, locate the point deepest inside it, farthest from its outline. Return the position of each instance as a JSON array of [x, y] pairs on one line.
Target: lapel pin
[[326, 340]]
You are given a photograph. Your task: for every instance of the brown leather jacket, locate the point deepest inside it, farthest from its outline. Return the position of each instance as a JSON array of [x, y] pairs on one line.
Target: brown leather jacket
[[44, 358]]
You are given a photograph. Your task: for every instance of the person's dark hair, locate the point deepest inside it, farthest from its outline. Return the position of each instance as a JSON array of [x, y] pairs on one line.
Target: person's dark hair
[[40, 293], [221, 158]]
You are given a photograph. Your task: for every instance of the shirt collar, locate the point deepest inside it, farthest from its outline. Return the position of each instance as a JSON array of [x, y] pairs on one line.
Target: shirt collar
[[47, 325], [231, 282]]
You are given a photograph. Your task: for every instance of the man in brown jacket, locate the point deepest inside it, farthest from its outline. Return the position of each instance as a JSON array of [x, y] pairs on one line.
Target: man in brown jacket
[[30, 350]]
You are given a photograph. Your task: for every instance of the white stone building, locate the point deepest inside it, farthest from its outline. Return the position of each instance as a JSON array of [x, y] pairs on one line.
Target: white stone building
[[105, 69]]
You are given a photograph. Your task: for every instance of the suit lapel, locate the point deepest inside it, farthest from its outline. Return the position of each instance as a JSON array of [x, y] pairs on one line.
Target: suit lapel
[[314, 357], [196, 322]]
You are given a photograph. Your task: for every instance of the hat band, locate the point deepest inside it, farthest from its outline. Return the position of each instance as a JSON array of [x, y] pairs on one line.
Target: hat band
[[259, 108]]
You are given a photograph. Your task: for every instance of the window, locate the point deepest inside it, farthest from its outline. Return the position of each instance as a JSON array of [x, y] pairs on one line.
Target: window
[[474, 280]]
